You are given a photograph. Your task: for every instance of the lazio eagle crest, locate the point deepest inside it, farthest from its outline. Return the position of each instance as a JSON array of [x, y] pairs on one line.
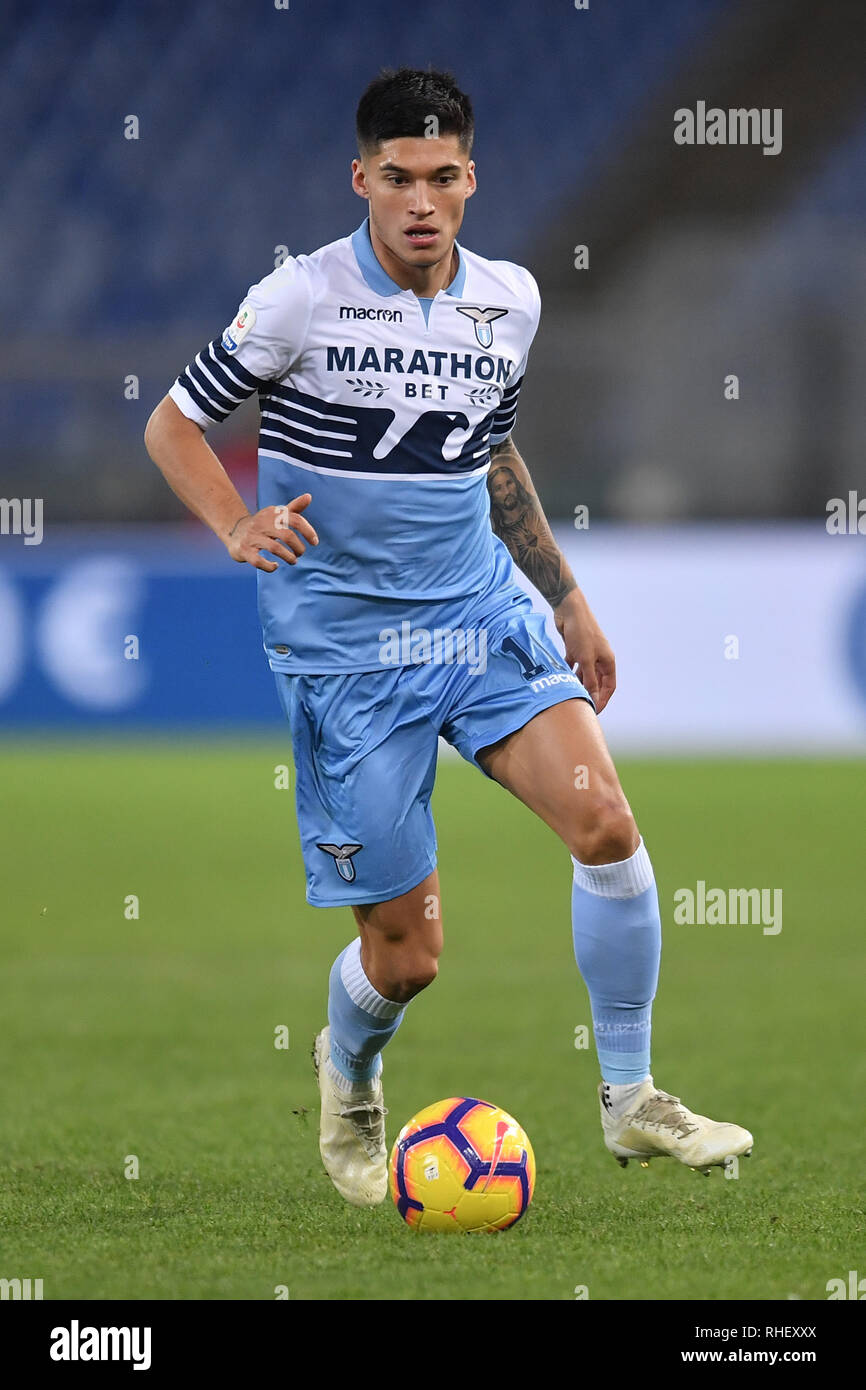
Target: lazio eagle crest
[[483, 320], [343, 858]]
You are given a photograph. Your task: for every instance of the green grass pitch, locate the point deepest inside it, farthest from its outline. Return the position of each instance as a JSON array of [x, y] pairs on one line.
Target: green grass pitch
[[154, 1037]]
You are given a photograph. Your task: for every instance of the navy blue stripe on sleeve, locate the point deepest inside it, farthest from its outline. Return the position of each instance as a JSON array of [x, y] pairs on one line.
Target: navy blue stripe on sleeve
[[210, 390], [205, 405], [235, 367], [230, 383], [506, 415]]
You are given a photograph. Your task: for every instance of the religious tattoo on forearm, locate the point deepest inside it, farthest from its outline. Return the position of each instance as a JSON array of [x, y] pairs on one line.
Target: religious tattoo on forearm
[[517, 518]]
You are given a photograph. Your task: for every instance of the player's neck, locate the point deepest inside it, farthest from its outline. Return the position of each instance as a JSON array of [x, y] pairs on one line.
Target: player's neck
[[424, 281]]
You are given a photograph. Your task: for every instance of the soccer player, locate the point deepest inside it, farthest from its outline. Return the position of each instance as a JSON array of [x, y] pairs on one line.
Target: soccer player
[[392, 505]]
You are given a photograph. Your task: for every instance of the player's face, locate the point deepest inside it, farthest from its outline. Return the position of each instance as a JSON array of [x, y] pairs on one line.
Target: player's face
[[417, 189]]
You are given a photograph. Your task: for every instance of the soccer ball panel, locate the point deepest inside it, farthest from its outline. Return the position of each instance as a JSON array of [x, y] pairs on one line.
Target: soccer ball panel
[[508, 1139], [437, 1172]]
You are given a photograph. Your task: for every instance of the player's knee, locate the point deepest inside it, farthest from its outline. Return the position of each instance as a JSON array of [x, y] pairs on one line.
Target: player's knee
[[416, 974], [608, 835], [423, 973]]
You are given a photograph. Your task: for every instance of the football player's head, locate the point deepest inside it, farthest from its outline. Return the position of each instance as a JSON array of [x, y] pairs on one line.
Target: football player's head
[[415, 130]]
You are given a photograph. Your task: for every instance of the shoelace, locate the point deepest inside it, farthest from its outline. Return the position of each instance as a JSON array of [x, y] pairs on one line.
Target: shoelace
[[660, 1109], [367, 1118]]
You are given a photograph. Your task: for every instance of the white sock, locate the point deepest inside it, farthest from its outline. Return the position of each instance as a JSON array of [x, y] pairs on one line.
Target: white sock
[[351, 1088], [618, 1100]]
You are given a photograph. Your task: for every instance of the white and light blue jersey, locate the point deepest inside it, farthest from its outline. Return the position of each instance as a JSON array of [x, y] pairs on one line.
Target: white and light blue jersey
[[383, 406]]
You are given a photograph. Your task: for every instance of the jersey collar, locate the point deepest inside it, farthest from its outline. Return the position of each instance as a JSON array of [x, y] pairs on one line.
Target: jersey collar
[[378, 278]]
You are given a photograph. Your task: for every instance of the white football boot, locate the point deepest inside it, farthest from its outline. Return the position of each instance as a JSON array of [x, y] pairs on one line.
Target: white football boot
[[351, 1134], [658, 1125]]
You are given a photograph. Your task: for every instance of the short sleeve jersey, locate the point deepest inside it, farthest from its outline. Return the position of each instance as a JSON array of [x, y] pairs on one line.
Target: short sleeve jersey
[[383, 407]]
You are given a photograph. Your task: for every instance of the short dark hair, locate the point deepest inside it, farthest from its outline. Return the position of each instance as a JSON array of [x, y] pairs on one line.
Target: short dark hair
[[400, 102]]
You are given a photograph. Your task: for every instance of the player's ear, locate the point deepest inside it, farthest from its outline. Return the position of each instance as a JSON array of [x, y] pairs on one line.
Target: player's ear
[[359, 179], [471, 181]]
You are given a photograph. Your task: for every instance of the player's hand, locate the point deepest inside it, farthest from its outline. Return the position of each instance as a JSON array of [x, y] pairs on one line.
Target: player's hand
[[277, 530], [586, 647]]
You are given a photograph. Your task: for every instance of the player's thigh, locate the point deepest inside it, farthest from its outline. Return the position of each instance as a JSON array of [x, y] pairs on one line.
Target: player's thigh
[[527, 721], [559, 765]]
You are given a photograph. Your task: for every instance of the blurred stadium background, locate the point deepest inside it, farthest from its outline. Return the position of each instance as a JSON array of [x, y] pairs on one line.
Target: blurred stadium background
[[122, 256]]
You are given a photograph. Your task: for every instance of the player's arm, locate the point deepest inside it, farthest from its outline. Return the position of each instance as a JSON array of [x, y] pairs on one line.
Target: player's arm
[[522, 526], [192, 470]]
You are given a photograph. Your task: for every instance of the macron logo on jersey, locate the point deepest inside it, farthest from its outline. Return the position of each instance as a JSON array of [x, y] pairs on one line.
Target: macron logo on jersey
[[353, 311]]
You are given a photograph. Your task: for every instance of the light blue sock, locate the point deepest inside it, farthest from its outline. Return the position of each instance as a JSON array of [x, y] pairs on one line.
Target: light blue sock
[[617, 945], [362, 1020]]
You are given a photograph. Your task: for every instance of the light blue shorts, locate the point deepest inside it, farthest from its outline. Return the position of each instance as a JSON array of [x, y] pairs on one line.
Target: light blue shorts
[[365, 749]]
